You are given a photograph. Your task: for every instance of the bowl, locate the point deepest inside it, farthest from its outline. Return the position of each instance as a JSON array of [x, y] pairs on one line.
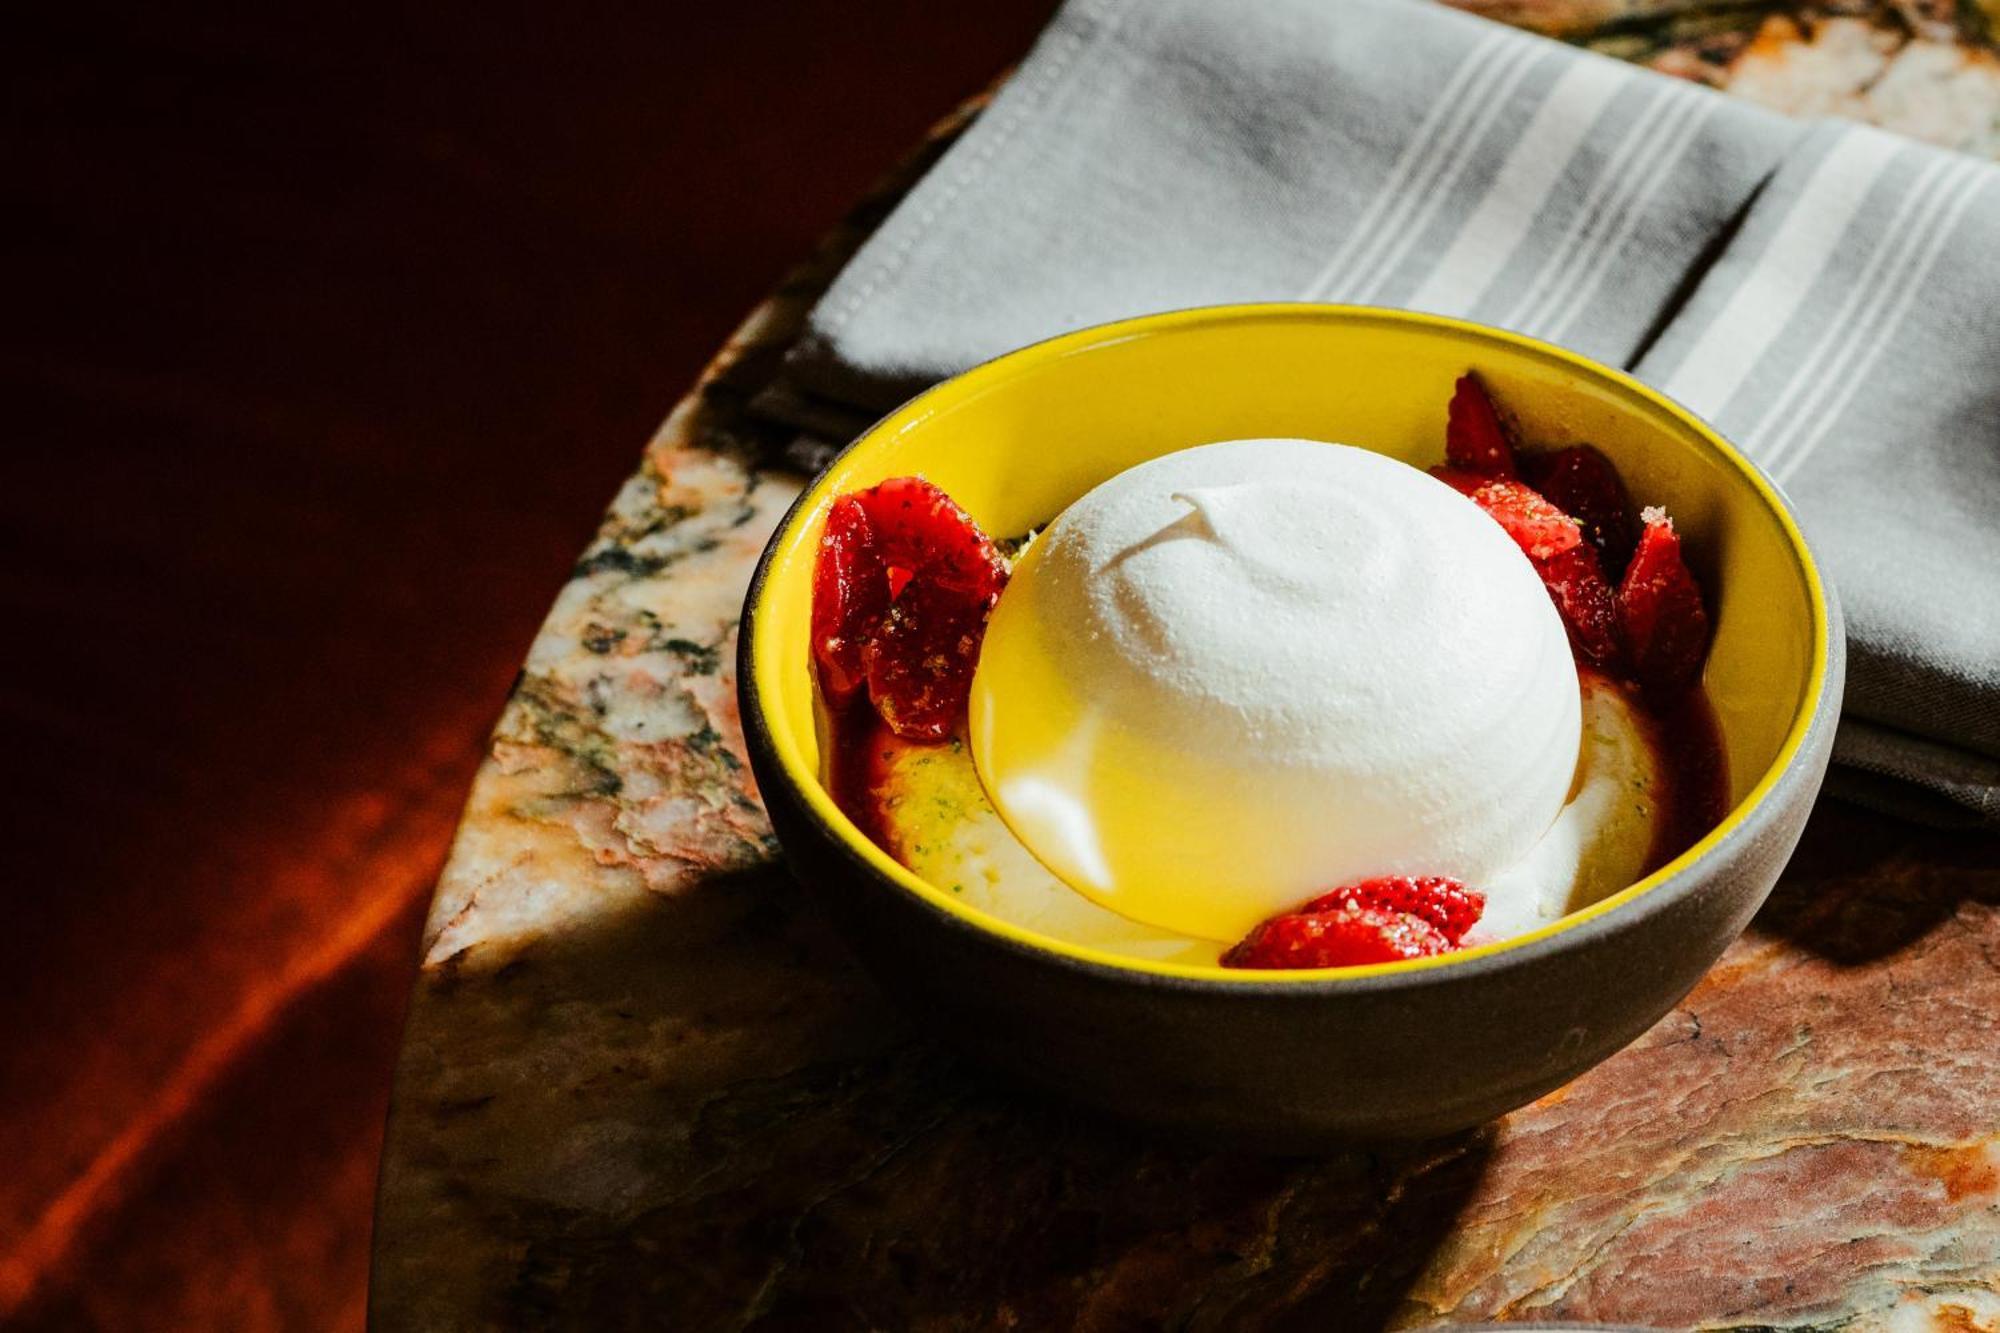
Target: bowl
[[1296, 1061]]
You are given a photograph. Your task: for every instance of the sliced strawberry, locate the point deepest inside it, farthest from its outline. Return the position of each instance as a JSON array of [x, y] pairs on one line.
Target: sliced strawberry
[[1537, 527], [1660, 612], [1589, 608], [1554, 545], [1582, 483], [901, 592], [1374, 921], [926, 534], [1475, 436], [850, 596], [921, 657], [1447, 904], [1344, 937]]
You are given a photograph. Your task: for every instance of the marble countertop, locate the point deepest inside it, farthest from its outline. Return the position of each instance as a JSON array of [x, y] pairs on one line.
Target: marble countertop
[[643, 1085]]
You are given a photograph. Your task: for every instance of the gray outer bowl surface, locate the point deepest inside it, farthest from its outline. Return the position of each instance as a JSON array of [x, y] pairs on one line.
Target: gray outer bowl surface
[[1300, 1066]]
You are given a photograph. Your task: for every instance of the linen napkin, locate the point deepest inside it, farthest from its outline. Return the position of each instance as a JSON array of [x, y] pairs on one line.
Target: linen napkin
[[1848, 339], [1156, 154], [1820, 291]]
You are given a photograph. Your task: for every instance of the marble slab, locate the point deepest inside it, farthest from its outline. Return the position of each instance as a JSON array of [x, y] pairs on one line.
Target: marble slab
[[643, 1085]]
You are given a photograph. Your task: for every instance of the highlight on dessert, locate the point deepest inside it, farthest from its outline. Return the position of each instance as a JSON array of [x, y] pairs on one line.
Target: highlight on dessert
[[1276, 703]]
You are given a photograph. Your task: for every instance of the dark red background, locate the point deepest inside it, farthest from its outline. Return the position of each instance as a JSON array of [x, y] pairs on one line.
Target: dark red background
[[328, 332]]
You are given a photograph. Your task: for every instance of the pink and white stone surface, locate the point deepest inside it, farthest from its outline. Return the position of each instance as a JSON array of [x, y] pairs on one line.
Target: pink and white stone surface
[[643, 1085]]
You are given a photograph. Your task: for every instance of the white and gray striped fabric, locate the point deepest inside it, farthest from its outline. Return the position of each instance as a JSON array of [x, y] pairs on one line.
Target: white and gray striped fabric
[[1825, 293], [1849, 338]]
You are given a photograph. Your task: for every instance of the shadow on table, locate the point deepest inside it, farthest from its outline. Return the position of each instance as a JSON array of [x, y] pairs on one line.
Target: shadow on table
[[916, 1190], [1863, 886], [699, 1114]]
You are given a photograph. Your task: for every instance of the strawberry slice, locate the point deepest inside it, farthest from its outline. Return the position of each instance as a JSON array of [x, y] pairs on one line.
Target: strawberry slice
[[901, 591], [1660, 612], [1582, 483], [1554, 545], [1589, 607], [1343, 937], [850, 596], [1537, 527], [920, 660], [925, 534], [1374, 921], [1442, 901], [1476, 438]]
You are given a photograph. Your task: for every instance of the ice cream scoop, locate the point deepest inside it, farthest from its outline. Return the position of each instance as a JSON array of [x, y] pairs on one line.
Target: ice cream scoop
[[1235, 676]]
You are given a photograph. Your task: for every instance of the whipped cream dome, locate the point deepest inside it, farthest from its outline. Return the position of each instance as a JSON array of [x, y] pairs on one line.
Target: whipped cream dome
[[1236, 676]]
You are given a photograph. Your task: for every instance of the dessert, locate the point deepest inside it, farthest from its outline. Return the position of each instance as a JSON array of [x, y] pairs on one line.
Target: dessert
[[1275, 703], [1216, 686]]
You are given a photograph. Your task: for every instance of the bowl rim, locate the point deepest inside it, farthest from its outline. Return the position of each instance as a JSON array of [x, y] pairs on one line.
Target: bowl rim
[[803, 787]]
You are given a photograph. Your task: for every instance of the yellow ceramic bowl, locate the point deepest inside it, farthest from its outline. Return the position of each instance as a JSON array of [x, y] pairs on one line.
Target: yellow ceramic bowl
[[1287, 1059]]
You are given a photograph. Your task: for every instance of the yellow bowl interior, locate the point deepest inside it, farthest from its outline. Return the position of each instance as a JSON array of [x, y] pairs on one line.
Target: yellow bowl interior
[[1019, 438]]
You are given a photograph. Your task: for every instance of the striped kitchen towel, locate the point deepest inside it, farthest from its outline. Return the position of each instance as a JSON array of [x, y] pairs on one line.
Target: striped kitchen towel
[[1849, 339], [1156, 154], [1824, 292]]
